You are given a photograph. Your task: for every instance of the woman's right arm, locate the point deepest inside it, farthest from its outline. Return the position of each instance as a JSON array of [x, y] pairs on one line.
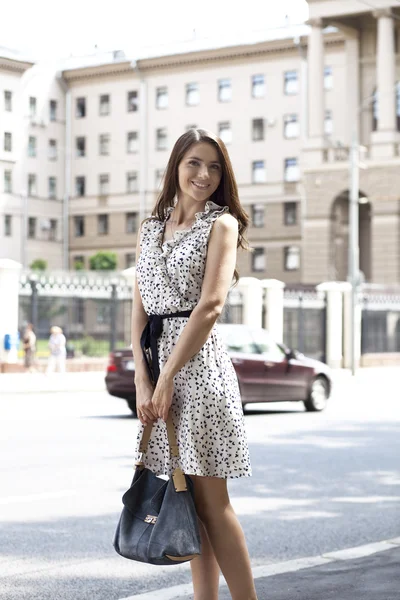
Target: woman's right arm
[[144, 387]]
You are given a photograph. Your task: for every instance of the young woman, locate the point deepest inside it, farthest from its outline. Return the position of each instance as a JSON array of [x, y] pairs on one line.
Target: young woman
[[186, 263]]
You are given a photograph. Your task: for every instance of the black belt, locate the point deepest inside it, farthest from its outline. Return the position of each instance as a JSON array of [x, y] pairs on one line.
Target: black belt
[[149, 337]]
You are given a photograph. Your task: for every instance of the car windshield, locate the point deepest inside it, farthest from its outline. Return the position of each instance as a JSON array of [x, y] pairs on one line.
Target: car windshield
[[237, 339], [267, 344]]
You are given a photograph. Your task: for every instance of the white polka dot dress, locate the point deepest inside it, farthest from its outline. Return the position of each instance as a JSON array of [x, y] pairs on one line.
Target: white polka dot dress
[[206, 407]]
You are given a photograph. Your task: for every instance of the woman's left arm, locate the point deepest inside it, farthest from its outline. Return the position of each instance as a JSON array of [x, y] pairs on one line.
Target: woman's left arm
[[220, 265]]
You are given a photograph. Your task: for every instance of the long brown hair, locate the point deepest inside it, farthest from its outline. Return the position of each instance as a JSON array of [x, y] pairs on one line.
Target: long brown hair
[[225, 195]]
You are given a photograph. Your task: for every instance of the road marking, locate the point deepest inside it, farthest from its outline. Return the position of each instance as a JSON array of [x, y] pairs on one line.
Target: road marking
[[35, 497], [182, 591]]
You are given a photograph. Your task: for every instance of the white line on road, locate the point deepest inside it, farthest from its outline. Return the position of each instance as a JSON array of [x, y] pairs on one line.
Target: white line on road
[[36, 497], [290, 566]]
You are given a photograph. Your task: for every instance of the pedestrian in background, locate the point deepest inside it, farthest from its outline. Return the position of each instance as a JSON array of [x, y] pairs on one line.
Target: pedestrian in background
[[29, 346], [58, 352], [186, 264]]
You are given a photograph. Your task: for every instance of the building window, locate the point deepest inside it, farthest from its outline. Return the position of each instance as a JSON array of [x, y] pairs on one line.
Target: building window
[[131, 222], [132, 142], [259, 174], [130, 260], [133, 101], [32, 190], [328, 78], [258, 259], [292, 258], [225, 132], [102, 224], [291, 83], [7, 142], [53, 230], [258, 86], [328, 123], [32, 146], [192, 94], [104, 107], [80, 186], [7, 182], [53, 110], [291, 128], [79, 265], [79, 226], [104, 144], [292, 171], [162, 97], [104, 180], [7, 225], [132, 182], [32, 107], [257, 215], [52, 188], [80, 108], [159, 178], [161, 139], [32, 227], [52, 149], [224, 90], [290, 213], [257, 128], [7, 100], [80, 146]]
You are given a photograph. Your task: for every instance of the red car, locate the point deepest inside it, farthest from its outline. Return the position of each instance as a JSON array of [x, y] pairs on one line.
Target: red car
[[266, 371]]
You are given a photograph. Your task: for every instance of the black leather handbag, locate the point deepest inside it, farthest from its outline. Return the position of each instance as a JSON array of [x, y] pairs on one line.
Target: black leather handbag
[[158, 523]]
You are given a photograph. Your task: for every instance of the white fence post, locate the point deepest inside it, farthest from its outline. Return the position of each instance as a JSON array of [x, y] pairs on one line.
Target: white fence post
[[334, 321], [9, 294], [251, 291], [273, 321], [347, 316]]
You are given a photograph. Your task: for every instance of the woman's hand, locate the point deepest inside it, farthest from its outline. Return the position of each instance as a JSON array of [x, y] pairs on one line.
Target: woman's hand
[[162, 397], [144, 407]]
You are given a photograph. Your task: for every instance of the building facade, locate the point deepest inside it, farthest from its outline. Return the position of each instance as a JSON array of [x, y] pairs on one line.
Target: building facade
[[32, 162], [287, 107]]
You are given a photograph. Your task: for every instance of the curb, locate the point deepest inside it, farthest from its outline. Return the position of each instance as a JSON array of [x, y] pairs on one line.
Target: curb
[[178, 592]]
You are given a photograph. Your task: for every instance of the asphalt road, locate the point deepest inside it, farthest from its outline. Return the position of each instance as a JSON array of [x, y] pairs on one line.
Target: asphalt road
[[322, 482]]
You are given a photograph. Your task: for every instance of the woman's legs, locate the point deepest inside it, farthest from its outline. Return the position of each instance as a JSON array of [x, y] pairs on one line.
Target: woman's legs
[[205, 570], [226, 538]]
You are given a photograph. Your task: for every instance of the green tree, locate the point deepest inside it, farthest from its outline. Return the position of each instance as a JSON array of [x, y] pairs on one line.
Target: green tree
[[103, 261], [39, 265], [79, 265]]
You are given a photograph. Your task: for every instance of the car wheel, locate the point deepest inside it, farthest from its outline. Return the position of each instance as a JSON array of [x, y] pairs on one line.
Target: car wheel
[[318, 396], [132, 405]]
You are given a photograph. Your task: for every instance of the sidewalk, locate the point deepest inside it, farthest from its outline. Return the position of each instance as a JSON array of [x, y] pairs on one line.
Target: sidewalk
[[93, 381], [34, 383], [375, 577], [369, 572], [25, 383]]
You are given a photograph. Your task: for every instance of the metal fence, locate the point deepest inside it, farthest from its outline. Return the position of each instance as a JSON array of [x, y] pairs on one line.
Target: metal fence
[[233, 309], [304, 321], [93, 310], [380, 324]]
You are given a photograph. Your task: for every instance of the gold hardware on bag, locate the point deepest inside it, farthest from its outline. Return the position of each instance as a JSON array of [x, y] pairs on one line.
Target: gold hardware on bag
[[150, 519], [179, 480]]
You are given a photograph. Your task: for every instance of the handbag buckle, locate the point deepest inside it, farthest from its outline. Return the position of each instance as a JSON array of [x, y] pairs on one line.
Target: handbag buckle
[[151, 519]]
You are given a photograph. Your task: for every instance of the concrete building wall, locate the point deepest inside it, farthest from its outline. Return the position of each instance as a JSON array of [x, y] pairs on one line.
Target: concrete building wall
[[26, 81]]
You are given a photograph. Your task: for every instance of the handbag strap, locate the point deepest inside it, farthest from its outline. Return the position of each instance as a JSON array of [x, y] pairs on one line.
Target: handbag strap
[[178, 475]]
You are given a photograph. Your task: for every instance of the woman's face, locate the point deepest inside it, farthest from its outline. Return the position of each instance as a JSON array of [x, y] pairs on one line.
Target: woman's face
[[199, 172]]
